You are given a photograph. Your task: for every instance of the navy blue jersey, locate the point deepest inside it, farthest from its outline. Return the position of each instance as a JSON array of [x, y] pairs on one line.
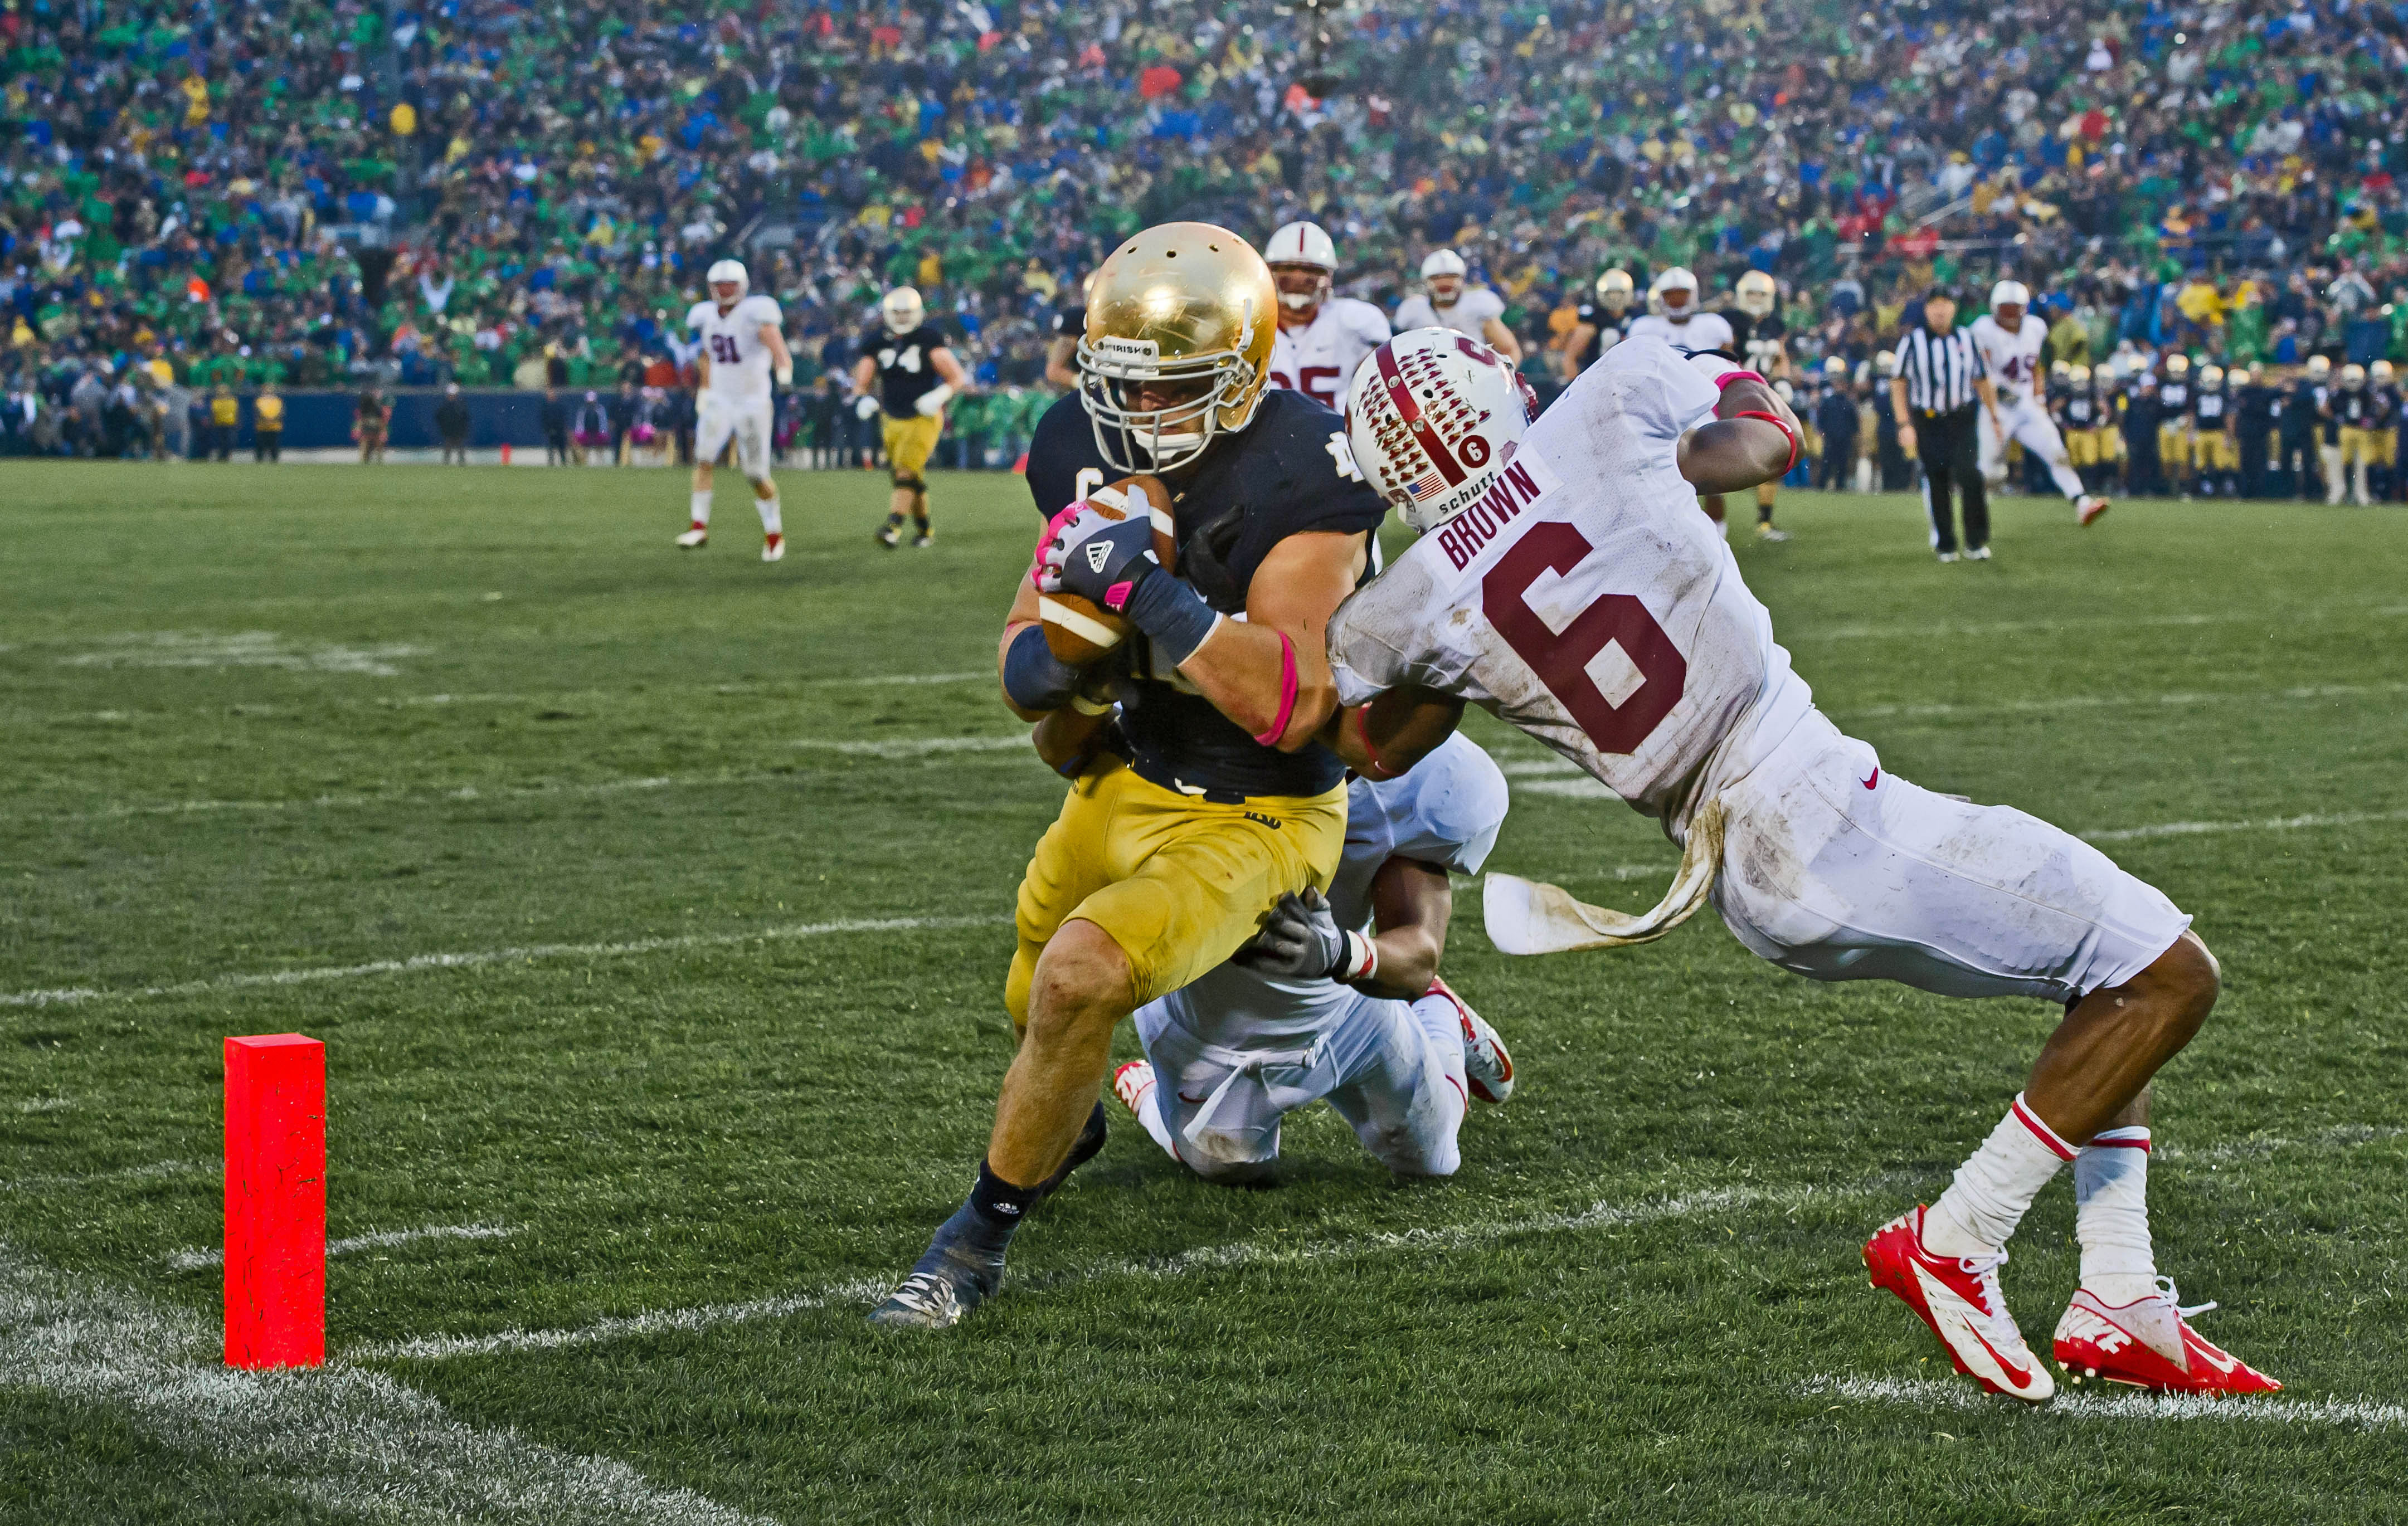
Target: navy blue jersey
[[1288, 472]]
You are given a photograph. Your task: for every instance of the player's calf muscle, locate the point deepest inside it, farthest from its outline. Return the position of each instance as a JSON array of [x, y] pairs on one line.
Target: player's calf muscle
[[2112, 1041]]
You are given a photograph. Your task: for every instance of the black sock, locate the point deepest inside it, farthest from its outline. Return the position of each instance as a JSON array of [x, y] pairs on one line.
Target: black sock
[[1083, 1150], [998, 1200]]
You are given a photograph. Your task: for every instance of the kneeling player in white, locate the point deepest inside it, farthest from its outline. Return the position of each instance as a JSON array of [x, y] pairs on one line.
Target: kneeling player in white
[[1564, 583], [1316, 1008], [2010, 341], [742, 343], [1321, 338]]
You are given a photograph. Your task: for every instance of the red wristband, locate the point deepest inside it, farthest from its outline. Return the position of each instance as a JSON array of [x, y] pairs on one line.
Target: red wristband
[[1287, 694], [1378, 772], [1780, 423], [1729, 377]]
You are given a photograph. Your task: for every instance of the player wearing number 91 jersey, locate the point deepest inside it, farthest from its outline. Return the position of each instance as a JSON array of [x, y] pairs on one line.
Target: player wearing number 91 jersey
[[742, 344], [1565, 582]]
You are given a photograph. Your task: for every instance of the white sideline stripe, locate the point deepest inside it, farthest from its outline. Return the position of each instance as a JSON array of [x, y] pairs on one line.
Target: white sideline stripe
[[918, 747], [355, 1440], [862, 1293], [2276, 823], [150, 1170], [195, 1259], [2027, 627], [1934, 1393], [533, 952], [465, 793], [2109, 702]]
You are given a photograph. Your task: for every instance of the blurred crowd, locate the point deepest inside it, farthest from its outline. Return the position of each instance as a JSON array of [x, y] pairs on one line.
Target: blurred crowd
[[497, 194]]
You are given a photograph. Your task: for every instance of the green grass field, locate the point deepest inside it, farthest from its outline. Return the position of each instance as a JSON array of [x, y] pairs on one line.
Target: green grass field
[[730, 850]]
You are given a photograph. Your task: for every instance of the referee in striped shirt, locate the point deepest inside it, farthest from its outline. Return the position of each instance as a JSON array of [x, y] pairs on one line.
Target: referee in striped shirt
[[1938, 384]]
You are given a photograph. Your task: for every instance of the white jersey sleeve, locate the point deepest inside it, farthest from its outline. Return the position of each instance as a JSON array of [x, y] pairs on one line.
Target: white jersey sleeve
[[1477, 305], [1415, 312], [1585, 600], [1367, 324]]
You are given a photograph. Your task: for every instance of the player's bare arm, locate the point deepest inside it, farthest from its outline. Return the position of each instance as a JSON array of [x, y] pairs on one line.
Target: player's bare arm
[[1270, 672], [1500, 340], [1385, 737], [1897, 410], [781, 360], [1412, 903], [1738, 451], [864, 375]]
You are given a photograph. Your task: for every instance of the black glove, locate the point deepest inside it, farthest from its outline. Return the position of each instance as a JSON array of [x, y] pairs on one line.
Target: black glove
[[1300, 940]]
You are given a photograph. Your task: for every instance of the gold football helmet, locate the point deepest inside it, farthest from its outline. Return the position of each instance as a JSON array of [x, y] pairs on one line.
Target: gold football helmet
[[1615, 290], [1179, 324], [1755, 293]]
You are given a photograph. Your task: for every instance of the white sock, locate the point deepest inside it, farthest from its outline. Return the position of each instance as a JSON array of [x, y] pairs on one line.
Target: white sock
[[1443, 1027], [1149, 1113], [1995, 1186], [771, 524], [1864, 474], [2110, 1215], [701, 510], [2069, 481]]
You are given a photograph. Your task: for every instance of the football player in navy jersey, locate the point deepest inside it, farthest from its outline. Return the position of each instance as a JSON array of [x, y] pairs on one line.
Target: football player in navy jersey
[[1170, 852]]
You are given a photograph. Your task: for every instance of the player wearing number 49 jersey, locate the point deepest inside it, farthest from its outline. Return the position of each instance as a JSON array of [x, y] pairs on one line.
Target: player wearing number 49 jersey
[[1565, 583], [742, 347], [2014, 352]]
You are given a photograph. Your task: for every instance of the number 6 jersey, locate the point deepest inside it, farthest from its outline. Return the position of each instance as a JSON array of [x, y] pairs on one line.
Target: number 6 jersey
[[1587, 600]]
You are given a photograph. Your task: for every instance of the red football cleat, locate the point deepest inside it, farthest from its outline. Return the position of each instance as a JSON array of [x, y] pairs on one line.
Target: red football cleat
[[2149, 1344], [1959, 1297], [2089, 508], [1486, 1064]]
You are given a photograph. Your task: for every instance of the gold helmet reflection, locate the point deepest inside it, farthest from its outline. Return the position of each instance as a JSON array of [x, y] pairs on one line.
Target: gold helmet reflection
[[1615, 290], [1755, 293], [1189, 307]]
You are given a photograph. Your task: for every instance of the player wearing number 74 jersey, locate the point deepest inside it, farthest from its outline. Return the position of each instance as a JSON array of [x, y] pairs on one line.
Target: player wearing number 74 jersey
[[1565, 582]]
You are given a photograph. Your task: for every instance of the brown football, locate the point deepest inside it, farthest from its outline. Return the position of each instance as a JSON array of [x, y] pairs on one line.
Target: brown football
[[1079, 631]]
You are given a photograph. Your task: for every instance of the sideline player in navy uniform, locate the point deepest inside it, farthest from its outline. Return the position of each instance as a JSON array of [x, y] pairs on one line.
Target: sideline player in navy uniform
[[1598, 323], [916, 375], [1165, 861], [1762, 341]]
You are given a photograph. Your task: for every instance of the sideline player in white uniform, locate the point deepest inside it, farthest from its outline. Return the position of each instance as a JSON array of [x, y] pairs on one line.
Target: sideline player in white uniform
[[1474, 312], [1675, 318], [1339, 998], [1321, 338], [1562, 584], [2011, 340], [743, 343]]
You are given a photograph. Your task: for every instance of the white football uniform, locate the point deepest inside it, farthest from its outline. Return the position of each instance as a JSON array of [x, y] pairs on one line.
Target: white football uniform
[[1319, 359], [735, 403], [1704, 331], [2014, 363], [1234, 1052], [1586, 601], [1474, 305]]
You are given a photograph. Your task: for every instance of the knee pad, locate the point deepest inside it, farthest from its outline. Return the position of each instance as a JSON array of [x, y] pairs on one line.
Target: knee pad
[[913, 484], [765, 480]]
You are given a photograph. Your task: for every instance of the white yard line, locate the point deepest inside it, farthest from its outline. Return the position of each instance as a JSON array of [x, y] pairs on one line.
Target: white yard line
[[2032, 627], [1936, 1393], [195, 1259], [2273, 823], [862, 1293], [2116, 702], [918, 747], [150, 1171], [346, 1437], [532, 954]]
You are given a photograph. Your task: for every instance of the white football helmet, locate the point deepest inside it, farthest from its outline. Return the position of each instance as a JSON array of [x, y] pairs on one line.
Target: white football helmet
[[1755, 294], [1677, 290], [727, 271], [1442, 272], [902, 309], [2010, 294], [1442, 262], [1303, 261], [1433, 418]]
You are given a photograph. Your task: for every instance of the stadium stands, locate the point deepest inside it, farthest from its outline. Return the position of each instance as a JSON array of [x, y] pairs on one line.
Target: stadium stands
[[512, 194]]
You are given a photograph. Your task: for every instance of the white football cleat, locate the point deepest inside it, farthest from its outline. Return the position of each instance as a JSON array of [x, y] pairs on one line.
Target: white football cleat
[[1979, 553], [2149, 1344], [773, 548], [2087, 508], [1959, 1297], [1485, 1062], [1131, 1082], [696, 537], [1948, 556]]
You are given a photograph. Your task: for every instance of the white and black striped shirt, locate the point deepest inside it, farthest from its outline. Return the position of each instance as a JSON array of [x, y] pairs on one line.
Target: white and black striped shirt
[[1939, 370]]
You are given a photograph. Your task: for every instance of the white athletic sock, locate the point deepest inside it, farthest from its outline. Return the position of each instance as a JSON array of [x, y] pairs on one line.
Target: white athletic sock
[[1995, 1186], [771, 524], [2110, 1215], [1864, 474], [1149, 1113], [1443, 1027], [2069, 481], [702, 507]]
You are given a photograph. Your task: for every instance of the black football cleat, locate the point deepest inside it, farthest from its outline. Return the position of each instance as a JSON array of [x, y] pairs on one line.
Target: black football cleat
[[961, 1269]]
